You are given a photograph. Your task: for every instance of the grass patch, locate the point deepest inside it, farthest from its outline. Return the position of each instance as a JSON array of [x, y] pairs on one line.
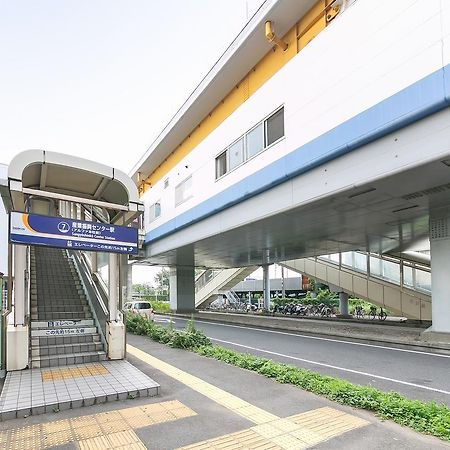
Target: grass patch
[[426, 417]]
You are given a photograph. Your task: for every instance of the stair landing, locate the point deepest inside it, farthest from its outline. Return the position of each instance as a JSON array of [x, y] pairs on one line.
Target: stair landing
[[38, 391]]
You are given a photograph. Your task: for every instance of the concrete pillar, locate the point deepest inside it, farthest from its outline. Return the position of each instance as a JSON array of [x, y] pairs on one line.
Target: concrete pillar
[[20, 283], [182, 289], [115, 328], [266, 286], [17, 333], [343, 303], [113, 284], [94, 262], [440, 272], [126, 280], [440, 269]]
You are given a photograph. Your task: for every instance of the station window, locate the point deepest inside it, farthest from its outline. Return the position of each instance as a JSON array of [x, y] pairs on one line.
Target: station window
[[183, 191], [274, 127], [236, 153], [255, 140], [261, 136], [221, 165], [166, 183], [154, 211]]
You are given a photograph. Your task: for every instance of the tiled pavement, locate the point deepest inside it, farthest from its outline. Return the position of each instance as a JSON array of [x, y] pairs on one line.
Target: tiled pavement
[[111, 429], [37, 391]]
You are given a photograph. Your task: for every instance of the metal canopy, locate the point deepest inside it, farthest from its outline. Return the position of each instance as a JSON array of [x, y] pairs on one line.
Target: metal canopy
[[66, 177]]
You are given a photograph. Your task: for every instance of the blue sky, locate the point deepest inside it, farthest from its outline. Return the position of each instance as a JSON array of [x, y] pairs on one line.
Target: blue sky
[[101, 78]]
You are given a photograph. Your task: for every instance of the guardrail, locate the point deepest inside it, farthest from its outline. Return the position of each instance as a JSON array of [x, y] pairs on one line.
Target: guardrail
[[205, 277], [402, 272], [97, 300]]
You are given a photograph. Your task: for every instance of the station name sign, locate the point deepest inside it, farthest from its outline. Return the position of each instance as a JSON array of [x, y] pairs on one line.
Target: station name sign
[[34, 229]]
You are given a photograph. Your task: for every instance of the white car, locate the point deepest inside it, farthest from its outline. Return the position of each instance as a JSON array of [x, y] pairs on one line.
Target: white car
[[140, 307]]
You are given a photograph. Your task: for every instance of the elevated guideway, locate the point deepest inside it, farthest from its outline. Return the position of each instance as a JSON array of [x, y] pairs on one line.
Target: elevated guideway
[[212, 282], [360, 160], [400, 285]]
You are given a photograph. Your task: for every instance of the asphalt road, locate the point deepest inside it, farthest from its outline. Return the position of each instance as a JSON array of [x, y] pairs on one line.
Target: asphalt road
[[415, 374]]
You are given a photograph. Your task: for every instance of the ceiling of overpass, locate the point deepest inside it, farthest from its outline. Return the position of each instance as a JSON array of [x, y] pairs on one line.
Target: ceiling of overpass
[[391, 214]]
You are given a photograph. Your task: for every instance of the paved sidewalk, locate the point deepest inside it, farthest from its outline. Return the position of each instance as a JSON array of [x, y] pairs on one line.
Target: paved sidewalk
[[206, 404]]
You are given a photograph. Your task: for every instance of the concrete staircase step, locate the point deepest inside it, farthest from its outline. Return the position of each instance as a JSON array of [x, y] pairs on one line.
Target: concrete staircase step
[[66, 303], [64, 349], [78, 307], [62, 315], [43, 341], [68, 359]]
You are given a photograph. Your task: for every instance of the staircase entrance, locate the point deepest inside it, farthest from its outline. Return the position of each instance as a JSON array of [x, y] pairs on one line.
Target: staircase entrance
[[64, 211], [65, 333], [63, 330]]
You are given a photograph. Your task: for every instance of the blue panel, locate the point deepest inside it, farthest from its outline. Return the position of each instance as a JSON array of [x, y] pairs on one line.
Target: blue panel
[[421, 99], [34, 229]]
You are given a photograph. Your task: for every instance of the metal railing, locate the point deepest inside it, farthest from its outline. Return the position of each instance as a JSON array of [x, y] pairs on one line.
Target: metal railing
[[232, 297], [205, 277], [97, 300], [401, 272]]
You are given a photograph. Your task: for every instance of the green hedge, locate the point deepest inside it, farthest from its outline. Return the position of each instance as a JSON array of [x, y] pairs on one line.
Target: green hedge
[[161, 307], [191, 338], [426, 417]]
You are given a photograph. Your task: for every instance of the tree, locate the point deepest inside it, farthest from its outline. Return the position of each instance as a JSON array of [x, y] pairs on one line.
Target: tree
[[162, 280]]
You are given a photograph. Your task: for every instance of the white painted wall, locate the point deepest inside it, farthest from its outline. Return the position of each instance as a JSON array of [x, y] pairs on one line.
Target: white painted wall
[[372, 51], [3, 227]]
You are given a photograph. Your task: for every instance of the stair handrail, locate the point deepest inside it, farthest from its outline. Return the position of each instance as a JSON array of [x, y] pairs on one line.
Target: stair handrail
[[205, 277], [83, 270], [232, 297], [402, 262]]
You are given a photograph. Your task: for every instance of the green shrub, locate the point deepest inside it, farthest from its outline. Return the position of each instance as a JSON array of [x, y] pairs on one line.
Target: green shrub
[[189, 339], [161, 307], [426, 417]]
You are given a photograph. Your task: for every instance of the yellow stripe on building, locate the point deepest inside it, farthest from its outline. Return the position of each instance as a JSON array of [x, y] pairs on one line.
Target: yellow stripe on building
[[306, 29]]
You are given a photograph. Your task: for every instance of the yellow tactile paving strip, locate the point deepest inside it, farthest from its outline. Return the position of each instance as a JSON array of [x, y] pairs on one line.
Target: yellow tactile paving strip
[[224, 398], [108, 430], [297, 432], [65, 373], [271, 432]]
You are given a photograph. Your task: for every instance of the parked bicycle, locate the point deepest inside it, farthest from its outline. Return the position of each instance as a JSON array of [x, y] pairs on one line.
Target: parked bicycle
[[359, 312], [374, 313]]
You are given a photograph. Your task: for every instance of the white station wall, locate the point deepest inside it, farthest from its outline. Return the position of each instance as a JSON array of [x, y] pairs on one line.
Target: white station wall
[[370, 52], [3, 227]]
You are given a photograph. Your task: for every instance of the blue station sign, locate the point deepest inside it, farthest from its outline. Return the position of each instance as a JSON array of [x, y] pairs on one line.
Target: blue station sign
[[34, 229]]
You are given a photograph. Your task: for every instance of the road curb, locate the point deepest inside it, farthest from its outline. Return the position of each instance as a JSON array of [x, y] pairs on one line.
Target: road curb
[[376, 333]]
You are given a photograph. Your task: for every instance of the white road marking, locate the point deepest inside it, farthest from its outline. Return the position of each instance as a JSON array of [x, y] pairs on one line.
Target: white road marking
[[161, 320], [261, 330], [334, 367]]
